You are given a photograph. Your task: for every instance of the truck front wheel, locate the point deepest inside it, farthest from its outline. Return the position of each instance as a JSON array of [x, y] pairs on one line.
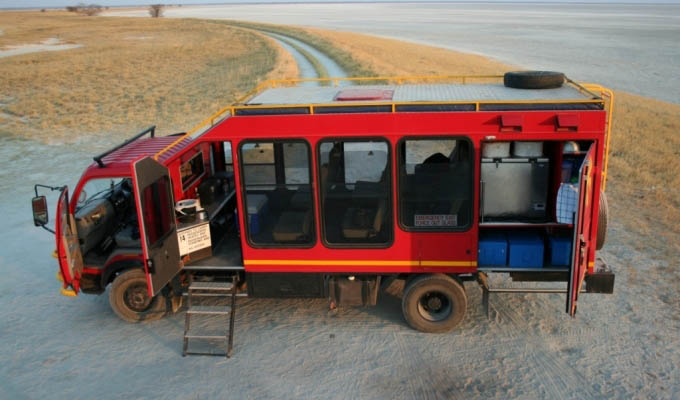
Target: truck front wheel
[[434, 303], [130, 299]]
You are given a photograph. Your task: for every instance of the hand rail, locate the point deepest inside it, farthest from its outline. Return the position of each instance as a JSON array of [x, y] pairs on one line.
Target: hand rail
[[608, 96], [98, 159]]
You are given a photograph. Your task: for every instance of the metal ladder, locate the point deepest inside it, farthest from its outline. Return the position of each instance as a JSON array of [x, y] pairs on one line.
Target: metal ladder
[[210, 289]]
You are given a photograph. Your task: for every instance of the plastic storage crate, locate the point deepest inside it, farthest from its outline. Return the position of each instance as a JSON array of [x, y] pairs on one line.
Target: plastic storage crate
[[525, 250], [257, 209], [493, 249], [560, 250]]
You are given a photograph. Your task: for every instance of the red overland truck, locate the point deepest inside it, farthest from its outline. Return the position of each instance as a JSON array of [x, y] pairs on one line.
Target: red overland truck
[[335, 191]]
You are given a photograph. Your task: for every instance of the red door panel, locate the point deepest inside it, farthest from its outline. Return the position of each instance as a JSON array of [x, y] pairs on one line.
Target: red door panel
[[68, 248], [581, 242], [156, 214]]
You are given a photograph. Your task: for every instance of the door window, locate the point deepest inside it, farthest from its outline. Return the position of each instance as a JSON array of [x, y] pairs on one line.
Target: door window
[[435, 184], [157, 212], [355, 189]]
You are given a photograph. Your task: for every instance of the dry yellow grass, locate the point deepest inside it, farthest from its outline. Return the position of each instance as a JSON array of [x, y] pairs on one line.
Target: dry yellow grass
[[394, 57], [130, 73], [644, 168]]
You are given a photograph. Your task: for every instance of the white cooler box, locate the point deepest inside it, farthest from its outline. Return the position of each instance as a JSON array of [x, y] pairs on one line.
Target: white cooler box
[[257, 209], [527, 149]]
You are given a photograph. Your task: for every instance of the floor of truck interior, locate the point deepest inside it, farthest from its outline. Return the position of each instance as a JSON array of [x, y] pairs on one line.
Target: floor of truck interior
[[226, 256]]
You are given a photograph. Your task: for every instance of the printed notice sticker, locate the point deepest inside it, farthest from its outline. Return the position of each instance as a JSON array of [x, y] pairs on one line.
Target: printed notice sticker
[[422, 220], [194, 239]]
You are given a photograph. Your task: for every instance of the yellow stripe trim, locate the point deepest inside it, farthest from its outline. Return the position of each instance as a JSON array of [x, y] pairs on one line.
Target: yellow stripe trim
[[404, 263]]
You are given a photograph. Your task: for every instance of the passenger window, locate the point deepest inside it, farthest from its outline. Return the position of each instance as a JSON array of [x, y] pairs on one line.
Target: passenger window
[[192, 170], [228, 159], [257, 160], [354, 180], [278, 195], [435, 184]]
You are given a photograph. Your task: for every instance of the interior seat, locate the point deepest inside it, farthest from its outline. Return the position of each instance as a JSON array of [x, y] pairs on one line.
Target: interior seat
[[363, 223], [293, 226]]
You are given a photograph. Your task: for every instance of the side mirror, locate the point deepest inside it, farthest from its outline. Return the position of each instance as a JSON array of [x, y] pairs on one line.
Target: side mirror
[[39, 204]]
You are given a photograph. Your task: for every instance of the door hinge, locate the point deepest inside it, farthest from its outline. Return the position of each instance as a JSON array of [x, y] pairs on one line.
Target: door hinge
[[150, 266]]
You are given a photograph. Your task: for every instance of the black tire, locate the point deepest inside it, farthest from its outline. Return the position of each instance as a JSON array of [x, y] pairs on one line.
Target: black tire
[[434, 303], [533, 79], [130, 300], [602, 221]]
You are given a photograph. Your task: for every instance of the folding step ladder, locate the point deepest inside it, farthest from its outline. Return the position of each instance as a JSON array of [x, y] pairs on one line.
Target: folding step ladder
[[213, 289]]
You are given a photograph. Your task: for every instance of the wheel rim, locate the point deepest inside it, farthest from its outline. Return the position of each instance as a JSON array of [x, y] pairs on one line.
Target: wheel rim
[[435, 306], [137, 298]]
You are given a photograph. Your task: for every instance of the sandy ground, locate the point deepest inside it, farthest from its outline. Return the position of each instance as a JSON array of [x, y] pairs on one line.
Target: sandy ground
[[51, 44], [625, 345], [620, 346]]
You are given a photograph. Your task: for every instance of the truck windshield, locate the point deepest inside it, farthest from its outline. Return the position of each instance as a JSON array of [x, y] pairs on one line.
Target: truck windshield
[[95, 189]]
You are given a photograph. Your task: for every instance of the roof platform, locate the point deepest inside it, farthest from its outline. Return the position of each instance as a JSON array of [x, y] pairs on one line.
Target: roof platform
[[412, 94]]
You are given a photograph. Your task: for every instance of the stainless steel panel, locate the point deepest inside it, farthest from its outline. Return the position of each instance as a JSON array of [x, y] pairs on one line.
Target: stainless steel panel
[[514, 188]]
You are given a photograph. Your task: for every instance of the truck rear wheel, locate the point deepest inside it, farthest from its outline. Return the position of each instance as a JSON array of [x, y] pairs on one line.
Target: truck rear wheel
[[130, 299], [434, 303]]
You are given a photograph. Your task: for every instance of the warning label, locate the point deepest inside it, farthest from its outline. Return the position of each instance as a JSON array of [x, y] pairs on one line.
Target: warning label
[[193, 239], [436, 220]]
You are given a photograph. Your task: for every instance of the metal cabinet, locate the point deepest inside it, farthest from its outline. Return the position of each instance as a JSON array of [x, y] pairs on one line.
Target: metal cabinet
[[514, 189]]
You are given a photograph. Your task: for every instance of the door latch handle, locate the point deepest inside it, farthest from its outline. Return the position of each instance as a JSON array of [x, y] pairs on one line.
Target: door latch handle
[[150, 266]]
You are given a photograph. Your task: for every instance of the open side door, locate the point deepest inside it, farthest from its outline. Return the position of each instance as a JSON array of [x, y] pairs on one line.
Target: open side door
[[581, 242], [156, 215], [68, 248]]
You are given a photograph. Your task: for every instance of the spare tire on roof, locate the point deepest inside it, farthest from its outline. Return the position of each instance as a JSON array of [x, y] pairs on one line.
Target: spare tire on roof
[[533, 79]]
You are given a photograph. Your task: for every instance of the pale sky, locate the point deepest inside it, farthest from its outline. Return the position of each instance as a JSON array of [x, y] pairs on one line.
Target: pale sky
[[64, 3]]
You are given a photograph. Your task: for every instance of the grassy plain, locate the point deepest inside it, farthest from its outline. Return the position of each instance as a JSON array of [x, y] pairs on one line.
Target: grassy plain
[[343, 57], [130, 73], [644, 166]]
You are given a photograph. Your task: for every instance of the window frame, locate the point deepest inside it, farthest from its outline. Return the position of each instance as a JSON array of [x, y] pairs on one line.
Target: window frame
[[242, 190], [390, 193], [444, 229]]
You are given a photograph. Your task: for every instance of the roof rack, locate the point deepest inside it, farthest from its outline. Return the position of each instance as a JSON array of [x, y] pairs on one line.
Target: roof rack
[[98, 159]]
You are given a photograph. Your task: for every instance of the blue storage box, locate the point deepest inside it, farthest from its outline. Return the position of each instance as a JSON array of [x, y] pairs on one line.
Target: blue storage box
[[525, 250], [257, 209], [560, 250], [493, 249]]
